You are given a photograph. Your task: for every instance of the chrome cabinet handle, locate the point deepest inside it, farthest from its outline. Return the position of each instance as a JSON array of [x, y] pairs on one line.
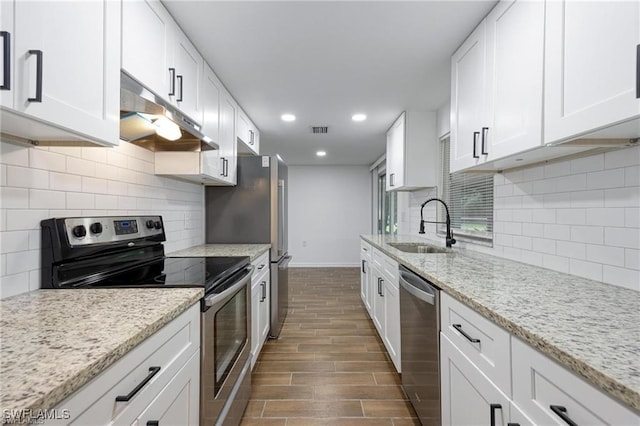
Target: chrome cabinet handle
[[38, 97], [153, 423], [263, 284], [152, 372], [251, 137], [483, 141], [475, 144], [381, 287], [172, 77], [638, 71], [180, 83], [461, 331], [6, 60], [561, 412], [260, 267], [363, 262], [493, 408], [392, 180]]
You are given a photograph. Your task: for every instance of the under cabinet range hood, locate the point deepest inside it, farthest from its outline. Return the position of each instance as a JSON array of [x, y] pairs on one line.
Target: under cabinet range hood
[[150, 121]]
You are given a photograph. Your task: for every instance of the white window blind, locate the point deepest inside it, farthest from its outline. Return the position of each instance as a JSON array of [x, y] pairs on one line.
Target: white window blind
[[470, 200]]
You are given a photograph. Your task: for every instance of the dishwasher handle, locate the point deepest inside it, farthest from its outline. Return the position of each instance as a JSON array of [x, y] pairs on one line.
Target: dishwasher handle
[[417, 287]]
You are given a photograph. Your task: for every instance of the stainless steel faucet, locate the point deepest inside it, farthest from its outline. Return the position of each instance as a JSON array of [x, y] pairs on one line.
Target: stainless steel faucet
[[450, 240]]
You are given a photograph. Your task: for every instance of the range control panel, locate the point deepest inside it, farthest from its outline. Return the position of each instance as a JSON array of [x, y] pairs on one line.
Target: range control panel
[[93, 230]]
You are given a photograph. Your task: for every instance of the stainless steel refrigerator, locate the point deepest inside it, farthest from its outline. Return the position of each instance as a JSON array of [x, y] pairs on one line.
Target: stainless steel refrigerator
[[252, 212]]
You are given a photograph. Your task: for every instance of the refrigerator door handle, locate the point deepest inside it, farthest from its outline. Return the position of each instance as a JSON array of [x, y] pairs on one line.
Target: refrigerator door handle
[[281, 218], [284, 262]]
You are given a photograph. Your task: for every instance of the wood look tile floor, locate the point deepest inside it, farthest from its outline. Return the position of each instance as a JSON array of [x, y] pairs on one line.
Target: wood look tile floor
[[329, 367]]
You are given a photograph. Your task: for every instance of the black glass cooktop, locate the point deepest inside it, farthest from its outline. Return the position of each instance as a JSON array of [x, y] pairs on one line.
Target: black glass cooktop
[[207, 272]]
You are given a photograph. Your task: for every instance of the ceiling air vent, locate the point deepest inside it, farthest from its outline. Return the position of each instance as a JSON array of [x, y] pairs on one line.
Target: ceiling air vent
[[319, 129]]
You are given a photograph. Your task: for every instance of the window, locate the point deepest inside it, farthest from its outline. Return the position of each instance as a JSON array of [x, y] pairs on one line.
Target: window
[[470, 200]]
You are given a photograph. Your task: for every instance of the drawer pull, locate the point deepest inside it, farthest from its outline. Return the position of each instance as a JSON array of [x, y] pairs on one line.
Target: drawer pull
[[493, 408], [263, 284], [153, 423], [561, 412], [38, 97], [363, 262], [484, 141], [513, 424], [475, 144], [172, 78], [469, 338], [152, 372], [6, 84], [260, 267], [179, 78]]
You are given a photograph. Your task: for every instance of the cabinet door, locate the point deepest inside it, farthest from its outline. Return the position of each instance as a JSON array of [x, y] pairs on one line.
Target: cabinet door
[[468, 397], [264, 309], [468, 84], [189, 67], [392, 322], [68, 63], [244, 126], [211, 105], [256, 296], [514, 72], [228, 139], [149, 62], [590, 75], [395, 154], [364, 280], [378, 301], [178, 403], [6, 54]]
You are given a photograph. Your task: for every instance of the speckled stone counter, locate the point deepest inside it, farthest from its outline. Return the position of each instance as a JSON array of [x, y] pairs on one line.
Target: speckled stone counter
[[52, 342], [589, 327], [211, 250]]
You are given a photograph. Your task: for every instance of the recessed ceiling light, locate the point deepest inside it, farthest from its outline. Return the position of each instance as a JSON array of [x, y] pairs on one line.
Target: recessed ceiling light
[[288, 117], [321, 153], [359, 117]]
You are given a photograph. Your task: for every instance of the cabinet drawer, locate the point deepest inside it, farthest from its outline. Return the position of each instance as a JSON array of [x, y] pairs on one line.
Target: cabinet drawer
[[169, 348], [365, 249], [485, 344], [261, 262], [386, 265], [540, 383]]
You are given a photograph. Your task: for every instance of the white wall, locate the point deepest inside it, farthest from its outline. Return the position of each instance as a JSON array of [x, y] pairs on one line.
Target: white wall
[[38, 183], [329, 207], [579, 216]]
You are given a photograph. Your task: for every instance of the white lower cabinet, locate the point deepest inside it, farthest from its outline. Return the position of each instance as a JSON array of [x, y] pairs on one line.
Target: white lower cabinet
[[158, 380], [551, 395], [365, 275], [260, 303], [385, 302], [468, 396]]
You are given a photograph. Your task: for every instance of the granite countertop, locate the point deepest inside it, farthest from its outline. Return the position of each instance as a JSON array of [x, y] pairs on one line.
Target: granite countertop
[[589, 327], [52, 342], [210, 250]]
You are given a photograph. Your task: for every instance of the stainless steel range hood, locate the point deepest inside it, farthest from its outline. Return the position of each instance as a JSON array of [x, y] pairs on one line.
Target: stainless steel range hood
[[140, 108]]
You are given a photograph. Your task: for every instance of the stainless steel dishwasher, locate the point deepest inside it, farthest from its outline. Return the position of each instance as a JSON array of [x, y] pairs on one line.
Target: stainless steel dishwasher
[[420, 345]]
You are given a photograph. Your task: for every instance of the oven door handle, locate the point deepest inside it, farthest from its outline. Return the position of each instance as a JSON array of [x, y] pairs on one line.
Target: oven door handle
[[214, 298]]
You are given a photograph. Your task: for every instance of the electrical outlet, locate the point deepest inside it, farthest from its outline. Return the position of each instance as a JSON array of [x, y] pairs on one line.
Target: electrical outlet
[[304, 244]]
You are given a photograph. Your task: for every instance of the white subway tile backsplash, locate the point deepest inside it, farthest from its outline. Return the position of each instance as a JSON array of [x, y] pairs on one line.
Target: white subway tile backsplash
[[593, 198], [114, 158], [531, 257], [503, 240], [545, 186], [571, 216], [557, 169], [543, 216], [556, 201], [590, 270], [557, 232], [116, 188], [587, 234], [512, 253], [587, 164], [513, 228], [3, 174], [605, 216], [94, 185], [504, 190], [605, 179], [622, 197], [14, 241], [622, 158], [46, 199], [64, 182], [80, 166], [522, 215], [531, 229], [632, 217], [533, 173], [571, 250], [23, 261], [95, 154], [629, 278], [557, 263], [20, 219], [504, 215], [532, 201], [514, 176], [47, 160], [23, 177], [622, 237], [572, 183], [106, 202], [605, 255], [632, 176], [524, 243], [80, 200], [71, 151], [14, 154], [632, 259], [127, 203], [542, 245], [10, 285], [34, 239], [14, 198]]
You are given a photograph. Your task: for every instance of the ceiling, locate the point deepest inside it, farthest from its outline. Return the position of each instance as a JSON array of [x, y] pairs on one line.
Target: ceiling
[[324, 61]]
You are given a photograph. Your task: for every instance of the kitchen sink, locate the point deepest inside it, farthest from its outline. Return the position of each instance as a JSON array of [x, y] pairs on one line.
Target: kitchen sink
[[419, 248]]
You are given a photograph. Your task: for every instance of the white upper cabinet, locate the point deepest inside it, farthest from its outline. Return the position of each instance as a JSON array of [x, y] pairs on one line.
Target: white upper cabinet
[[147, 33], [247, 134], [496, 91], [228, 139], [591, 75], [61, 70], [159, 55], [412, 151]]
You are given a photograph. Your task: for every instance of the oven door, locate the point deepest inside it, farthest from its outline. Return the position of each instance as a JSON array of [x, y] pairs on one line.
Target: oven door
[[225, 384]]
